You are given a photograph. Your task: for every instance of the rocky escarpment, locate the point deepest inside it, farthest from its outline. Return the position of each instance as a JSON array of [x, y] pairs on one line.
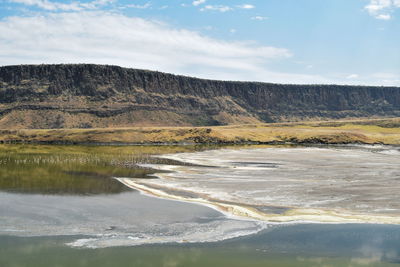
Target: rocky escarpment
[[84, 96]]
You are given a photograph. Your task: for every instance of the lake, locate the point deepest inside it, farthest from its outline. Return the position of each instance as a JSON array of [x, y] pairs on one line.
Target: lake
[[199, 205]]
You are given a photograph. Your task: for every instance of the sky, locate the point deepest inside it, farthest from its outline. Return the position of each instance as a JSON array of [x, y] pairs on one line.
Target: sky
[[282, 41]]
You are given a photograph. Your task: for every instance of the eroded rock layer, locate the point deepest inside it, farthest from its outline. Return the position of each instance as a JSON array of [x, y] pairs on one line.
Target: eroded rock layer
[[86, 96]]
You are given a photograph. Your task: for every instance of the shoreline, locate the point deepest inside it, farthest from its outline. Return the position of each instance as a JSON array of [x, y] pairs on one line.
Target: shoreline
[[242, 211], [247, 213], [373, 131], [229, 212]]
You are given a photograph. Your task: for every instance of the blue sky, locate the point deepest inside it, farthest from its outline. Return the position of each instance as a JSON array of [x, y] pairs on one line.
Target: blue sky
[[286, 41]]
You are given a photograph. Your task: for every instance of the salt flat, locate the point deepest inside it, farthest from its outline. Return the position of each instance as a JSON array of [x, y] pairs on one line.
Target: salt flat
[[326, 184]]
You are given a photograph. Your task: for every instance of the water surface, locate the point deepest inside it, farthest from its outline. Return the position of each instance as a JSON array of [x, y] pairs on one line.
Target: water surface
[[321, 184], [66, 206], [297, 245]]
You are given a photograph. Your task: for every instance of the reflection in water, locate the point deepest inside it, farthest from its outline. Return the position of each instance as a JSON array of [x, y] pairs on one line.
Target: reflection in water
[[125, 219], [319, 184], [297, 245], [57, 179], [75, 169]]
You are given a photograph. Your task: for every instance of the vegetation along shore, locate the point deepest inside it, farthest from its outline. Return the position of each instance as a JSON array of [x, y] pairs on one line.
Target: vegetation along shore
[[367, 131]]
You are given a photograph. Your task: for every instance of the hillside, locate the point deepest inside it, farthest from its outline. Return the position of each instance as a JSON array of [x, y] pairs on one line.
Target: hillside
[[98, 96]]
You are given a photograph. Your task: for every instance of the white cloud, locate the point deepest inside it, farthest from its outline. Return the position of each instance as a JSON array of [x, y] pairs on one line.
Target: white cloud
[[219, 8], [47, 5], [259, 18], [352, 76], [96, 4], [78, 37], [55, 6], [383, 16], [378, 5], [232, 31], [381, 9], [387, 78], [246, 6], [144, 6], [198, 2], [386, 75], [378, 79]]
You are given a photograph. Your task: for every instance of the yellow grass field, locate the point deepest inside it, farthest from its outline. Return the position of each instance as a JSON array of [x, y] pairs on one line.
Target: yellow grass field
[[365, 131]]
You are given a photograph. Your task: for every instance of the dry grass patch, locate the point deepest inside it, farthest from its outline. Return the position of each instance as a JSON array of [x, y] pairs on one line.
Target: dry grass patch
[[339, 132]]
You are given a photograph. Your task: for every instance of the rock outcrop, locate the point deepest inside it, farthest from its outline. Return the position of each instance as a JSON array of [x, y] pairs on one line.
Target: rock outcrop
[[86, 96]]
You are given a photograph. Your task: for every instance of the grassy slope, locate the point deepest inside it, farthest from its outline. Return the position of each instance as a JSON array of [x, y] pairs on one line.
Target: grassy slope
[[384, 131]]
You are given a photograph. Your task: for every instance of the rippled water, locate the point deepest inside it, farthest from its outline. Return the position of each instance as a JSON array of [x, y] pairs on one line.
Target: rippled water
[[76, 170], [323, 184], [70, 190], [57, 203], [297, 245]]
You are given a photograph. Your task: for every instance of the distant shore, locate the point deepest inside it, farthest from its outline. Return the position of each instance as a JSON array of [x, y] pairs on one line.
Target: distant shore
[[361, 131]]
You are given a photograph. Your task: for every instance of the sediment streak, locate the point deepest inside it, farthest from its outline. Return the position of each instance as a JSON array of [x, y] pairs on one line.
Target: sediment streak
[[238, 211], [324, 185]]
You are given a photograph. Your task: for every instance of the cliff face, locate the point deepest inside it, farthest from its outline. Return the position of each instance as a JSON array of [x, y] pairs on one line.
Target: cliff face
[[83, 96]]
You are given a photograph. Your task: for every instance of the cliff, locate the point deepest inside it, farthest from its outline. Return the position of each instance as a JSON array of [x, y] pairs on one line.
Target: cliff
[[87, 96]]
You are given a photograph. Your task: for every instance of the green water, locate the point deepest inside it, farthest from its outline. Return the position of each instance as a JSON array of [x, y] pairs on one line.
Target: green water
[[42, 186], [76, 169], [301, 245]]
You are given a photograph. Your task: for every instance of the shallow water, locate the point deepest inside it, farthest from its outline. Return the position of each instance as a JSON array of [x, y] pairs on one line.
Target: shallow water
[[57, 203], [76, 170], [46, 193], [332, 184], [116, 220], [297, 245]]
